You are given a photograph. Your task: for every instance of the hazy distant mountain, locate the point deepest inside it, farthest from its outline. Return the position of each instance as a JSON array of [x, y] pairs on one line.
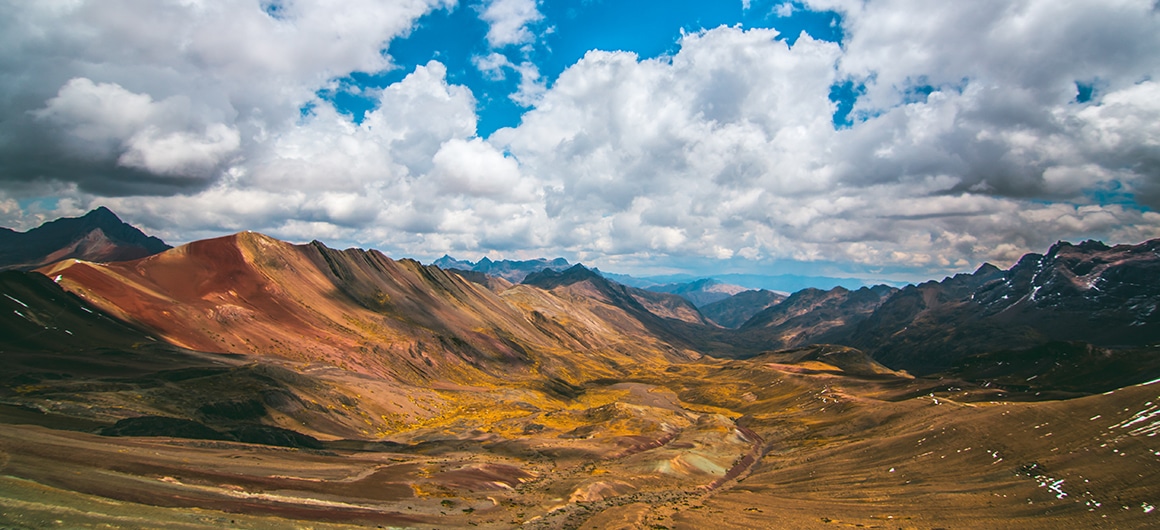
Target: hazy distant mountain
[[512, 271], [784, 283], [735, 310], [700, 292], [98, 236]]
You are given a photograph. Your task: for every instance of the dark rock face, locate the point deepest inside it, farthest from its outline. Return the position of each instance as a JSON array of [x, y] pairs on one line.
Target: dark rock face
[[1088, 292], [97, 236]]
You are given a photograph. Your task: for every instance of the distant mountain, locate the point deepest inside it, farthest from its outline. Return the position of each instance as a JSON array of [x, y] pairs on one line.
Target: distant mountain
[[735, 310], [662, 319], [647, 306], [1107, 296], [784, 283], [814, 316], [638, 282], [512, 271], [700, 292], [98, 236]]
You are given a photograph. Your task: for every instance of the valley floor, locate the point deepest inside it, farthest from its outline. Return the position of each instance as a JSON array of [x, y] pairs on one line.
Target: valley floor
[[708, 444]]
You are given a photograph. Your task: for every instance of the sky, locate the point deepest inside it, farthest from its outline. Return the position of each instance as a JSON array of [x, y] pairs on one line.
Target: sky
[[897, 140]]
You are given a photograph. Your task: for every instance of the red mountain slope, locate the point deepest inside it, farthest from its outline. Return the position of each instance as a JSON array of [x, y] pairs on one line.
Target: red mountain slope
[[248, 293]]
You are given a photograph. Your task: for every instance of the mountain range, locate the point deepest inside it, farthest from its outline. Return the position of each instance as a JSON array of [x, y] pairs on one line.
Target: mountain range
[[512, 271], [97, 236], [700, 292], [246, 381]]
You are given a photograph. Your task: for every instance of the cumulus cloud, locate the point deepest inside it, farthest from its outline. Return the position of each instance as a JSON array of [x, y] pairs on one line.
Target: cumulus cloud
[[105, 121], [492, 65], [968, 140], [159, 97], [731, 138], [412, 176], [509, 20], [474, 168]]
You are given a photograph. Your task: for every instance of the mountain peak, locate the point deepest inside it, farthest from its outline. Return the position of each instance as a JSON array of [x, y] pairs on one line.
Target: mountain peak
[[550, 278], [102, 213], [1090, 245], [73, 237], [987, 268], [510, 270]]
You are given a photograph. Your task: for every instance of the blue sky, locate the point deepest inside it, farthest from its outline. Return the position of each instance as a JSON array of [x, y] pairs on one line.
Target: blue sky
[[897, 140], [457, 36]]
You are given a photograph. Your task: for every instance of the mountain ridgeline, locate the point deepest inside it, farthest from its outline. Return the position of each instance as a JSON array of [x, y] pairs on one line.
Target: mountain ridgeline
[[1089, 293], [510, 270], [98, 236]]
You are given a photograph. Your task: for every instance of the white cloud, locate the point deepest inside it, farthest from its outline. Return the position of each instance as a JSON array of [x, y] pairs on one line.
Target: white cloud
[[731, 139], [509, 20], [218, 77], [724, 150], [180, 153], [103, 120], [532, 86], [474, 168], [1040, 47], [492, 65]]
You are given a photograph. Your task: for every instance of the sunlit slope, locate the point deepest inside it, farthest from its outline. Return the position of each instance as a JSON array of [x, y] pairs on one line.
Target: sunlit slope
[[248, 293]]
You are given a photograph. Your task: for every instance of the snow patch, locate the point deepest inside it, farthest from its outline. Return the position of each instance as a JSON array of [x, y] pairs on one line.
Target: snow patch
[[17, 301]]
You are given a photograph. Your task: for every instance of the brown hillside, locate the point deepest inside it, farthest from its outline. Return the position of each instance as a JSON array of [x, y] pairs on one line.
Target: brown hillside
[[248, 293]]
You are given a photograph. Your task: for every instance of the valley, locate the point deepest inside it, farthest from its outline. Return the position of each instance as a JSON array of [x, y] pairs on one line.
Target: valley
[[735, 444], [251, 383]]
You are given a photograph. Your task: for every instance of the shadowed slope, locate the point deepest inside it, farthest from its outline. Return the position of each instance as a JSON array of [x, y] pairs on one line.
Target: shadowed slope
[[97, 236], [813, 316], [662, 316], [1088, 292], [734, 311]]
